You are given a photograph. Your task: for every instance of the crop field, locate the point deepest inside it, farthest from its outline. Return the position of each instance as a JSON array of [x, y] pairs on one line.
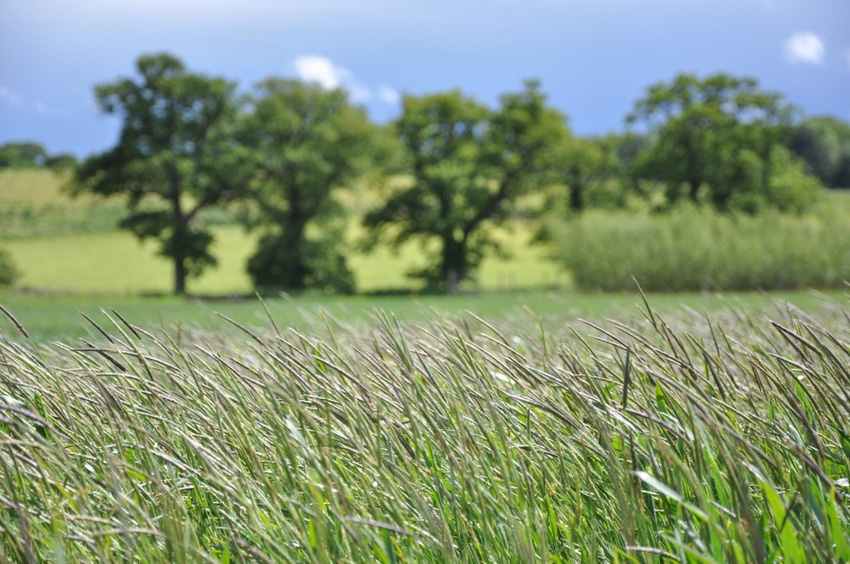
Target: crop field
[[719, 437]]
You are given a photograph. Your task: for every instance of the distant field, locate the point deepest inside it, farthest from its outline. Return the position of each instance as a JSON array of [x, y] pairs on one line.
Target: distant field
[[33, 205], [50, 318], [63, 245]]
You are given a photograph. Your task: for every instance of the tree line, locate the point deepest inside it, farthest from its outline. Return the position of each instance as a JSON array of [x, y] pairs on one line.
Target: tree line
[[28, 154], [448, 170]]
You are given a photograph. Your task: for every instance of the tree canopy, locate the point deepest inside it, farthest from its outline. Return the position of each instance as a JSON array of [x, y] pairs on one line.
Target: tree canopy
[[824, 144], [26, 154], [716, 139], [468, 164], [450, 169], [175, 157], [304, 142]]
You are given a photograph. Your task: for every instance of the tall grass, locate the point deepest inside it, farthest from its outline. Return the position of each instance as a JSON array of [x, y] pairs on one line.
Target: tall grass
[[692, 249], [722, 440]]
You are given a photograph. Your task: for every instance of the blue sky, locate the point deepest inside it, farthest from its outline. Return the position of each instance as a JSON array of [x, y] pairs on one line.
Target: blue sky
[[594, 57]]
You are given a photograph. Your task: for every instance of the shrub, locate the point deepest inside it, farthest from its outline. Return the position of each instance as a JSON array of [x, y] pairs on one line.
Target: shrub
[[315, 264], [8, 271], [699, 249]]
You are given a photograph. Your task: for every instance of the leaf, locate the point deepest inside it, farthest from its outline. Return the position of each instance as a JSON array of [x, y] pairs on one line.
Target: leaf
[[671, 494], [836, 531], [792, 551]]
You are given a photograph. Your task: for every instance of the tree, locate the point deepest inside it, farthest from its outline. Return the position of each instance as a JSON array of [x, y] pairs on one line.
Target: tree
[[305, 142], [62, 161], [824, 144], [715, 135], [468, 165], [8, 271], [22, 155], [592, 167], [174, 157]]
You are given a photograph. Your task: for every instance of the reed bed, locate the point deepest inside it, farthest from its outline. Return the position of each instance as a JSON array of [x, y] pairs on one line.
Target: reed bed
[[691, 249], [644, 439]]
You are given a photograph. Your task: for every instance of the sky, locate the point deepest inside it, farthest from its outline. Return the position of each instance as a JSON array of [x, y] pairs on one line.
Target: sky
[[595, 58]]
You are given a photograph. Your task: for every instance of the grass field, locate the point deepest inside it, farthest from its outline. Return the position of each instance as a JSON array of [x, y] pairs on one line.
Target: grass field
[[57, 318], [71, 246], [648, 438]]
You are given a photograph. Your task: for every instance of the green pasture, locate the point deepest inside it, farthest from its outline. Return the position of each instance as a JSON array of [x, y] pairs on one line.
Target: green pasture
[[116, 263], [49, 318], [71, 246]]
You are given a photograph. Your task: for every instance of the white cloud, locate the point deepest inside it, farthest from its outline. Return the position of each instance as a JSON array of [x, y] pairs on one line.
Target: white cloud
[[315, 68], [805, 47], [329, 75], [8, 95], [388, 94]]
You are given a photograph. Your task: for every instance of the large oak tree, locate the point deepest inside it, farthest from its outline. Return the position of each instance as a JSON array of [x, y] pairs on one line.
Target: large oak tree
[[718, 139], [468, 164], [174, 158], [305, 142]]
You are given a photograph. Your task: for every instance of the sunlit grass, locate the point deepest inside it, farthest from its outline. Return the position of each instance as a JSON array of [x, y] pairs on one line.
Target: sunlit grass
[[116, 263]]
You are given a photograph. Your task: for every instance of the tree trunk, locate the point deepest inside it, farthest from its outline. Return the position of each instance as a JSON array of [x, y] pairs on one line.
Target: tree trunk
[[454, 265], [294, 269], [576, 195], [178, 235], [179, 276], [693, 185]]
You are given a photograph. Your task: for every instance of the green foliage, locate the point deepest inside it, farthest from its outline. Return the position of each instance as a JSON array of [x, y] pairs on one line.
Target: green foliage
[[174, 157], [469, 165], [8, 271], [715, 140], [34, 155], [62, 161], [824, 144], [644, 438], [699, 249], [303, 143], [279, 263], [22, 155]]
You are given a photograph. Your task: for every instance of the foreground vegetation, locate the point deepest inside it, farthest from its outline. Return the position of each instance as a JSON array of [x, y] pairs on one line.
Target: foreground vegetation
[[711, 439]]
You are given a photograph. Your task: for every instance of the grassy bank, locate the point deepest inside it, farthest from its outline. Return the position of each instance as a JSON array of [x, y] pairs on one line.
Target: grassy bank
[[719, 439]]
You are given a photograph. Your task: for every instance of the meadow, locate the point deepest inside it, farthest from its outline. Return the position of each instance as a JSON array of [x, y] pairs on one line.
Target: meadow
[[71, 246]]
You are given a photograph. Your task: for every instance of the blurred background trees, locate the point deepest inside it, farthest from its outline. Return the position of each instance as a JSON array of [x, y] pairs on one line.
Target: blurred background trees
[[303, 143], [824, 144], [175, 157], [447, 173], [468, 165], [33, 155], [721, 140]]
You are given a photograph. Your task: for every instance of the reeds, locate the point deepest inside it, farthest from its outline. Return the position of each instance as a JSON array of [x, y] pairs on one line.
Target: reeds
[[698, 249], [644, 439]]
